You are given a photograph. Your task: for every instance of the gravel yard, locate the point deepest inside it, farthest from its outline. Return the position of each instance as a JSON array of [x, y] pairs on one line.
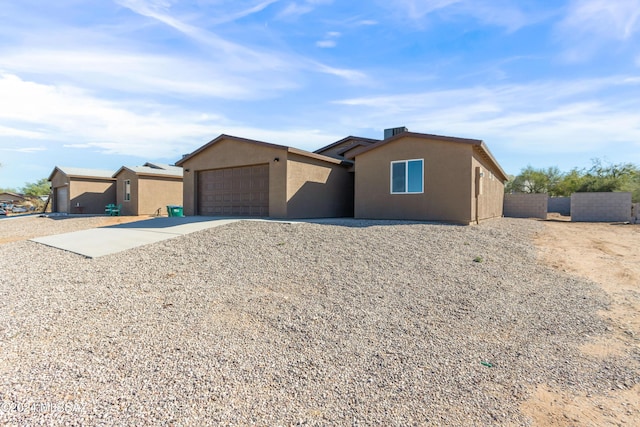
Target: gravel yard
[[351, 323]]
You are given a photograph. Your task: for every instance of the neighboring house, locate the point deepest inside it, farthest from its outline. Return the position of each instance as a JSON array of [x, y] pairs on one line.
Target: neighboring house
[[9, 197], [233, 176], [148, 189], [79, 190], [414, 176]]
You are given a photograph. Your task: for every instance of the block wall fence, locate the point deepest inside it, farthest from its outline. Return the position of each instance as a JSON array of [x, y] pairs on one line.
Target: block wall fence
[[583, 207], [561, 205], [601, 207], [522, 205]]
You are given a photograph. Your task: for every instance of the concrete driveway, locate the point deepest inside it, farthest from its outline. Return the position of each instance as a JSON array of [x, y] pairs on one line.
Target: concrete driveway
[[101, 241]]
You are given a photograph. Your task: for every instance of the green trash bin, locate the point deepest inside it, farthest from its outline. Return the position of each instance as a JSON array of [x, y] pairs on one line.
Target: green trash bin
[[174, 210]]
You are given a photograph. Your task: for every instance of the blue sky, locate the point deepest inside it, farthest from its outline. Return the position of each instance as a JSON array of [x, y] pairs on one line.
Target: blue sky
[[102, 83]]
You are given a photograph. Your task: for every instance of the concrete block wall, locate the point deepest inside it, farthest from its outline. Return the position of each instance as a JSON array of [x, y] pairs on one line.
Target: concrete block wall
[[522, 205], [601, 207], [561, 205], [635, 213]]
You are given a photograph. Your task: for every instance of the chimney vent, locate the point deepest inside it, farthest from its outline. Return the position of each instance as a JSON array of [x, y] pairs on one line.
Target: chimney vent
[[388, 133]]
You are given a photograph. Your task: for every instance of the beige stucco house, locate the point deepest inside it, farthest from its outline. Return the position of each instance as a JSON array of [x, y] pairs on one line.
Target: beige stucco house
[[232, 176], [148, 189], [81, 191], [407, 175], [416, 176], [10, 197]]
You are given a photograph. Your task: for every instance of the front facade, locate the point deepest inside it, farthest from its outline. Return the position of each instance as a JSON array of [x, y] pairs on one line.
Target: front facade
[[414, 176], [233, 176], [148, 189], [81, 191]]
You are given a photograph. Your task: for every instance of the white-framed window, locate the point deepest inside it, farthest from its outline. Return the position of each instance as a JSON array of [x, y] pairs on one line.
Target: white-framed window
[[407, 176], [127, 190]]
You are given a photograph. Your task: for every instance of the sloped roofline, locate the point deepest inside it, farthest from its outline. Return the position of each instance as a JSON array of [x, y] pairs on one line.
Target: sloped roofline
[[153, 172], [86, 173], [334, 144], [265, 144], [477, 143]]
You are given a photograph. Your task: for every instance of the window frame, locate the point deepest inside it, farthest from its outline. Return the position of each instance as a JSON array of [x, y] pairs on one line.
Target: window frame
[[127, 190], [406, 176]]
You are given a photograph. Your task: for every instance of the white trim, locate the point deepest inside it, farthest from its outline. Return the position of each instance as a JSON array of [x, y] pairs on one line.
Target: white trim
[[406, 176]]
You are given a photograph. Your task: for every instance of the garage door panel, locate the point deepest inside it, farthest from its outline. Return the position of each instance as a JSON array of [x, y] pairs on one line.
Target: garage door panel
[[241, 191], [62, 197]]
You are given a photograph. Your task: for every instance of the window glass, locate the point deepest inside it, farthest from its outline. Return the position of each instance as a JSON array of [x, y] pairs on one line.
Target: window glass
[[414, 175], [398, 177]]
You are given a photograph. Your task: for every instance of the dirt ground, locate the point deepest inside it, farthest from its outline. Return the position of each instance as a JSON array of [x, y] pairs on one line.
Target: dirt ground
[[608, 254], [89, 222]]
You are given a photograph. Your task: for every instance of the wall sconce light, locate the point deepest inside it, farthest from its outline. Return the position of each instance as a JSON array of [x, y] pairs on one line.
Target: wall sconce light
[[187, 170], [277, 159]]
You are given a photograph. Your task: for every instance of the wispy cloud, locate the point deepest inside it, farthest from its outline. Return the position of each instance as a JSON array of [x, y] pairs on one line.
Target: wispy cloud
[[24, 149], [122, 128], [133, 72], [503, 13], [591, 24], [112, 127], [551, 116], [296, 9], [330, 40], [233, 16], [237, 57], [605, 18]]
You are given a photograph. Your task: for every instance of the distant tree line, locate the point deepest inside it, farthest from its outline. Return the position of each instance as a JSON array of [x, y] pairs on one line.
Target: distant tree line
[[34, 189], [600, 177]]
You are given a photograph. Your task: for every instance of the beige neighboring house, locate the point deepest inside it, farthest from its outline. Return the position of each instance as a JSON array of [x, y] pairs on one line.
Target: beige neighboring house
[[415, 176], [81, 191], [148, 189], [232, 176], [9, 197]]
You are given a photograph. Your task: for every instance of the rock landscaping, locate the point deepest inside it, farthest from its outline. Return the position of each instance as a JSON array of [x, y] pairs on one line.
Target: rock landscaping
[[343, 322]]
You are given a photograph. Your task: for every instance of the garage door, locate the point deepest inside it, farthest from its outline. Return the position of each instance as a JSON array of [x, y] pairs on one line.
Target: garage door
[[62, 199], [241, 191]]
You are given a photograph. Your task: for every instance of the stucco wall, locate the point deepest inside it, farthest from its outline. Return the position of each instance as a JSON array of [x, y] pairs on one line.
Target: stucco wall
[[489, 189], [128, 207], [91, 194], [155, 193], [601, 207], [317, 189], [232, 153], [524, 205], [447, 182]]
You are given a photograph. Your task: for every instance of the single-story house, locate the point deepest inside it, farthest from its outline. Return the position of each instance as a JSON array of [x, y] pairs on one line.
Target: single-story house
[[148, 189], [406, 175], [232, 176], [415, 176], [79, 190], [10, 197]]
